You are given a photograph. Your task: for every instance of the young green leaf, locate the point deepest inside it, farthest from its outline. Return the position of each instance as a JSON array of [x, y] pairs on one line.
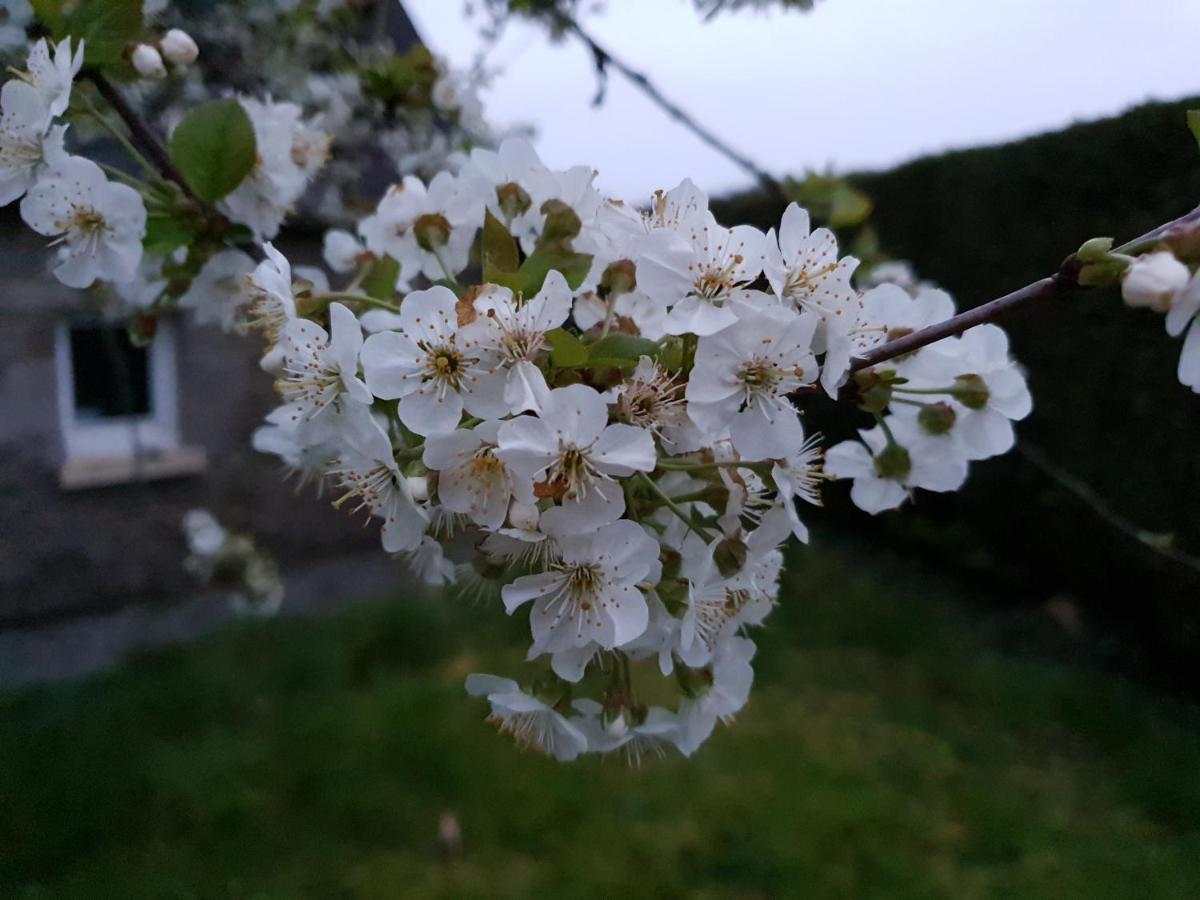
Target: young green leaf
[[499, 250], [573, 267], [215, 149], [566, 350], [105, 26], [380, 282], [620, 350]]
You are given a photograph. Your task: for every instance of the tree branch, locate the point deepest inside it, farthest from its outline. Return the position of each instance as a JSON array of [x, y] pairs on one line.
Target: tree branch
[[1062, 282], [603, 58], [142, 136]]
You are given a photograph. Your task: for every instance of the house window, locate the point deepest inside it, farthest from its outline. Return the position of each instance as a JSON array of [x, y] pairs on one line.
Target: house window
[[118, 409]]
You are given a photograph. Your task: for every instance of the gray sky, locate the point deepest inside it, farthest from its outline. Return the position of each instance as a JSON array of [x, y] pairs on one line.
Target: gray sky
[[855, 83]]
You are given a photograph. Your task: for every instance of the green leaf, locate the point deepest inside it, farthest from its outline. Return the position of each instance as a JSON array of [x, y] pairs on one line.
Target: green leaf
[[106, 27], [49, 14], [166, 234], [380, 282], [620, 350], [1193, 121], [215, 149], [573, 266], [566, 350], [498, 249]]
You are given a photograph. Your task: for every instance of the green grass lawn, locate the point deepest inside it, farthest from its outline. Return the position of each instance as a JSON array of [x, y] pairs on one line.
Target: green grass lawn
[[886, 751]]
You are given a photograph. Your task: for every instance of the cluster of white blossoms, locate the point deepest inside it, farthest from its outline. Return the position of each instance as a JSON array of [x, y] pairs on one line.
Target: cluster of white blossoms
[[233, 563], [1163, 283], [605, 398], [99, 224]]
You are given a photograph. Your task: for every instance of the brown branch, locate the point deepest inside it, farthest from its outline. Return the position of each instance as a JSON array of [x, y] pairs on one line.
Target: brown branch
[[604, 59], [141, 135], [1062, 282]]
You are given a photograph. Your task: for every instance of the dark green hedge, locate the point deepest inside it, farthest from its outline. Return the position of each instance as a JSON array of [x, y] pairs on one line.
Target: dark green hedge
[[1107, 405]]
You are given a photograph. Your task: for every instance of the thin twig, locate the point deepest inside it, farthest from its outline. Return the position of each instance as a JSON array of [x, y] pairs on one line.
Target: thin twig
[[1062, 282], [1101, 508], [149, 143], [603, 59]]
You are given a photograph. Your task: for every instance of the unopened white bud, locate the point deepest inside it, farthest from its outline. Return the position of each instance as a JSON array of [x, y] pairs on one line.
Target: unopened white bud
[[418, 487], [1154, 280], [148, 62], [179, 48], [523, 516]]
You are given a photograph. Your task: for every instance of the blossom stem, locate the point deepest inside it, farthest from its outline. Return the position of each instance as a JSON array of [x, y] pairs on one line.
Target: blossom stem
[[450, 276], [126, 144], [113, 172], [674, 508], [326, 299], [142, 135]]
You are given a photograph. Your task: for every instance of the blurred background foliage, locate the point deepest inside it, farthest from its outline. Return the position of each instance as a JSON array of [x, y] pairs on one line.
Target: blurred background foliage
[[1107, 405]]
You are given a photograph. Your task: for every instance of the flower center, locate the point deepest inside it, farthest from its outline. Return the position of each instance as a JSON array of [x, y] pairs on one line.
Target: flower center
[[446, 365]]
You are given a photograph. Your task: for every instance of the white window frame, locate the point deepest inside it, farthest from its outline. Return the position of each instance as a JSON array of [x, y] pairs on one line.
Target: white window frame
[[126, 436]]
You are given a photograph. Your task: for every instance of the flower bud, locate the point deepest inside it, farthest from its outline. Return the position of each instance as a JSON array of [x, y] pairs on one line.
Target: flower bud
[[730, 556], [513, 199], [893, 462], [432, 231], [1095, 250], [148, 62], [562, 224], [418, 487], [971, 391], [523, 516], [619, 278], [1154, 280], [937, 418], [178, 48]]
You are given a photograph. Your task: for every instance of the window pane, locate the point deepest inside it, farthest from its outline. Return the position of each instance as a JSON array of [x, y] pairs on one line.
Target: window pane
[[112, 377]]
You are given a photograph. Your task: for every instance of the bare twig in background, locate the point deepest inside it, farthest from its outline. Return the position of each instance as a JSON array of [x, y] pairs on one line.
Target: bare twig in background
[[1153, 541], [603, 59]]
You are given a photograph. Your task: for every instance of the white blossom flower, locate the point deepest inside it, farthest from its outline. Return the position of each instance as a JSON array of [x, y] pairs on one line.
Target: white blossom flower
[[1154, 280], [342, 251], [366, 470], [471, 479], [591, 594], [884, 472], [290, 152], [804, 272], [649, 398], [743, 376], [992, 392], [515, 330], [98, 224], [703, 285], [219, 291], [52, 74], [1182, 313], [531, 722], [26, 140], [636, 733], [319, 367], [423, 228], [432, 367], [731, 679], [572, 451], [272, 303]]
